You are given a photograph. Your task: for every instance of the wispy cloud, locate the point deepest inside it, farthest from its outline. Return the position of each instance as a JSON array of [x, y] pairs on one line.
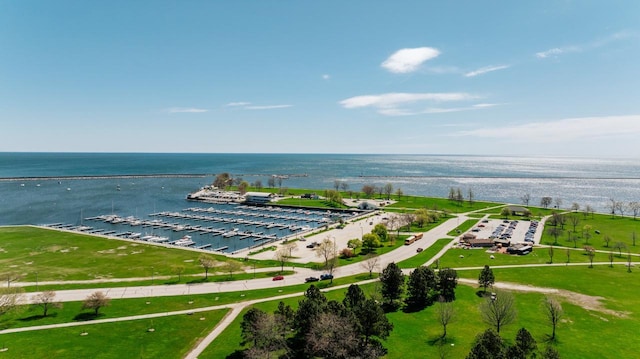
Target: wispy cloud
[[186, 110], [237, 104], [405, 104], [267, 107], [556, 51], [484, 70], [250, 106], [584, 128], [409, 59], [326, 77]]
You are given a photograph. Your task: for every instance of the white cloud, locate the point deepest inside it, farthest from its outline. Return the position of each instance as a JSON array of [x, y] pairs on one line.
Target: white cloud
[[485, 105], [409, 60], [186, 110], [553, 52], [237, 104], [486, 69], [267, 107], [403, 104], [326, 77], [585, 128]]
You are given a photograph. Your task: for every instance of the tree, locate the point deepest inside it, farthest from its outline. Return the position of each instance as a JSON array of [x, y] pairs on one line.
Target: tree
[[550, 353], [610, 255], [633, 238], [281, 257], [250, 326], [591, 252], [290, 247], [525, 199], [498, 310], [586, 232], [381, 231], [222, 180], [388, 190], [550, 250], [262, 331], [327, 250], [271, 182], [575, 207], [309, 308], [525, 343], [399, 193], [422, 282], [634, 207], [243, 186], [447, 283], [354, 298], [46, 300], [371, 262], [370, 241], [392, 280], [620, 246], [207, 263], [231, 267], [486, 278], [558, 202], [95, 301], [470, 197], [488, 345], [444, 314], [331, 336], [553, 311], [354, 244], [257, 184], [505, 212], [178, 269], [555, 232], [368, 190], [284, 317], [546, 202], [10, 299], [574, 219], [568, 252], [606, 239]]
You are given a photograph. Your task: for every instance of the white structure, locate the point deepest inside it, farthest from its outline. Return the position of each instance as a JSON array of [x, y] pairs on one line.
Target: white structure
[[258, 197]]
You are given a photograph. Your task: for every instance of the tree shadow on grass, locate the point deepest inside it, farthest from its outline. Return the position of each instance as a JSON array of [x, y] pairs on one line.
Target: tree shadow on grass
[[83, 317], [481, 293], [37, 317], [198, 281], [439, 341]]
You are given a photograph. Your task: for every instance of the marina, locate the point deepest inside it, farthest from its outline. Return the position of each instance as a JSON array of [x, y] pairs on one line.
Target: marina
[[218, 227]]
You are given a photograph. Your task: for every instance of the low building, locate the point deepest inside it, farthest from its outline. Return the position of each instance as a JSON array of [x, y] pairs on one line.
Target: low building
[[480, 242], [258, 197], [520, 249]]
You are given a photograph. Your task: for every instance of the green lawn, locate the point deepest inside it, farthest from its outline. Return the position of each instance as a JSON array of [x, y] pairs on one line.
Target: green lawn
[[441, 204], [422, 257], [619, 229], [173, 337]]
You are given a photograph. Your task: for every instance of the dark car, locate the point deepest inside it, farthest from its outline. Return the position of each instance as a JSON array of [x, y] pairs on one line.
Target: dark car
[[278, 277], [311, 279], [419, 250], [326, 276]]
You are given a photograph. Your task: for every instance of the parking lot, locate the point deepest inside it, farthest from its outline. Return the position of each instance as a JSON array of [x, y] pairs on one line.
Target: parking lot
[[514, 231]]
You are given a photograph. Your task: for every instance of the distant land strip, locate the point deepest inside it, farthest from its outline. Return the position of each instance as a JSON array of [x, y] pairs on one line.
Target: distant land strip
[[501, 177], [83, 177]]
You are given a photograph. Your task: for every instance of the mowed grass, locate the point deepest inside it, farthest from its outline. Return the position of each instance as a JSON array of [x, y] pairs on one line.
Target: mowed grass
[[422, 257], [581, 334], [173, 337], [27, 316], [56, 255], [442, 204], [619, 229]]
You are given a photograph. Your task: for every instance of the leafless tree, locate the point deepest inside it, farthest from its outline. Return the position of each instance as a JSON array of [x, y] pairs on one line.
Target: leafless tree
[[575, 207], [558, 202], [281, 257], [568, 255], [95, 301], [10, 299], [551, 250], [606, 239], [611, 206], [445, 314], [634, 207], [620, 246], [11, 277], [633, 238], [46, 300], [368, 190], [399, 193], [629, 261], [621, 207], [610, 254], [574, 219], [470, 197], [553, 310], [327, 250], [388, 190], [332, 336], [546, 202], [344, 186], [231, 267], [371, 262], [178, 269], [591, 252], [407, 219], [207, 263], [498, 310], [526, 198], [291, 247]]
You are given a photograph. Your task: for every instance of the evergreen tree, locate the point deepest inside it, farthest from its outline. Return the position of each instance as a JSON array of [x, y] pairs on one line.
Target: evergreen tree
[[309, 308], [422, 281], [392, 280], [447, 282], [488, 345], [486, 278]]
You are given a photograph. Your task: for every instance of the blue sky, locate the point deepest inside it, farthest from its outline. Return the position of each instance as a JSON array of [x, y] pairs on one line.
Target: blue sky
[[427, 77]]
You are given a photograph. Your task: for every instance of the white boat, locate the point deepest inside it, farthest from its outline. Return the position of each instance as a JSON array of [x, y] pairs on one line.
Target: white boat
[[184, 241]]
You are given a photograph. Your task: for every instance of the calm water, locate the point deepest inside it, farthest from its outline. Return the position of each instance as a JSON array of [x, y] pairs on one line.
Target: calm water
[[503, 179]]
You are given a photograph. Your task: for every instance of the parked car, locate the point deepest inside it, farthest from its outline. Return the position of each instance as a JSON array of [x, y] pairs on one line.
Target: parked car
[[311, 279], [419, 250], [278, 277], [326, 276]]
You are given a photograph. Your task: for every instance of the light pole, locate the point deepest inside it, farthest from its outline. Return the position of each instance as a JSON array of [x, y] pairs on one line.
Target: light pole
[[152, 275]]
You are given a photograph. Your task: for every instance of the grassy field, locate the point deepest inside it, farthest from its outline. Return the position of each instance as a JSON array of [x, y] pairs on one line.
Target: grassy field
[[422, 257], [173, 337], [619, 229], [441, 204], [56, 255], [577, 334]]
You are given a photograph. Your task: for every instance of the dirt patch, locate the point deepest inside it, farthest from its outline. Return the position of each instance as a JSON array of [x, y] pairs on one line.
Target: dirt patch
[[107, 251], [588, 302], [2, 250], [122, 247]]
